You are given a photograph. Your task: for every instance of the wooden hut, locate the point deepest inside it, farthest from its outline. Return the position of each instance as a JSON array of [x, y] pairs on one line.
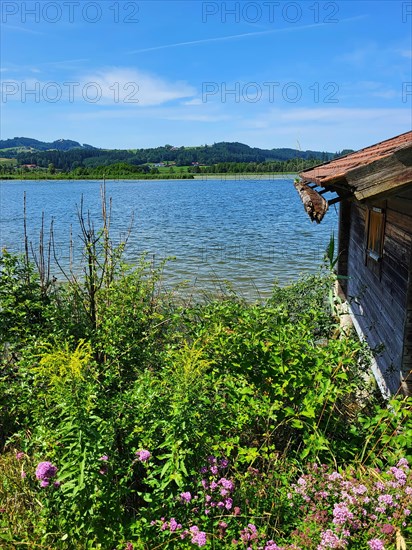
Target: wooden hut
[[373, 187]]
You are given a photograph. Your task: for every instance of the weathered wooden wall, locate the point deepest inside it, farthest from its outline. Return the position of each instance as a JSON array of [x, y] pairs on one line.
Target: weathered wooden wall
[[407, 348], [379, 292]]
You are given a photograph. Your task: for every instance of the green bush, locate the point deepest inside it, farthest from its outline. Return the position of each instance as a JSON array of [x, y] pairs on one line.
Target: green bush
[[137, 400]]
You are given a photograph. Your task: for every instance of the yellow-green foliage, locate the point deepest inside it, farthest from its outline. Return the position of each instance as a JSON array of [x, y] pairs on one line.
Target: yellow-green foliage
[[59, 366], [189, 364]]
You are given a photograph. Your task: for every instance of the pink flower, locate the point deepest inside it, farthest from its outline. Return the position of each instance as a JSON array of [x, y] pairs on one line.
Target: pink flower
[[376, 544], [226, 483], [19, 455], [341, 513], [228, 503], [174, 525], [331, 540], [198, 537], [143, 455], [386, 499], [270, 545], [45, 471]]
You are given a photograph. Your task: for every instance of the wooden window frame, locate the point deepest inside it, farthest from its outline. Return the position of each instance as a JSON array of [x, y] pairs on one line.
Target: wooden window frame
[[375, 233]]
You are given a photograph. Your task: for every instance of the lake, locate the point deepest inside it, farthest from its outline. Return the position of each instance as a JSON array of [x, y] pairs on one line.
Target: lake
[[249, 232]]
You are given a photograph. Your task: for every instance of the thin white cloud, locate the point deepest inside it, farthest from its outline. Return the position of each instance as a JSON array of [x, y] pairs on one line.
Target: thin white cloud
[[195, 101], [321, 129], [239, 36], [372, 88], [131, 87], [375, 53], [122, 88], [67, 64], [64, 62], [162, 113], [26, 30], [359, 56], [324, 116]]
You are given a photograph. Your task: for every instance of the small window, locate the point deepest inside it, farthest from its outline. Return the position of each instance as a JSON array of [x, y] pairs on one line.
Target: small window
[[376, 225]]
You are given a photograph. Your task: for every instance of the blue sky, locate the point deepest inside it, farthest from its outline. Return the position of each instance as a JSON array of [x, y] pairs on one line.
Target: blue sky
[[310, 75]]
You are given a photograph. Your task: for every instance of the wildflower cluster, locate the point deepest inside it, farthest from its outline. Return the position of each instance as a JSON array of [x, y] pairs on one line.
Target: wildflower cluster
[[213, 508], [194, 534], [338, 510], [217, 490], [143, 455], [215, 494], [45, 471]]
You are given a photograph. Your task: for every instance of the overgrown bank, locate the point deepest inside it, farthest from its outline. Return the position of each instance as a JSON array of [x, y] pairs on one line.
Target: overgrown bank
[[129, 420]]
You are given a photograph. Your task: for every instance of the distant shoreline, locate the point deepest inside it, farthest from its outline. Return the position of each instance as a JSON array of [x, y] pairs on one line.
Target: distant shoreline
[[244, 177]]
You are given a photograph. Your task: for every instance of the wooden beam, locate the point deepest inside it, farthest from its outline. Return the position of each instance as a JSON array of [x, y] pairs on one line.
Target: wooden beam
[[381, 177], [339, 199]]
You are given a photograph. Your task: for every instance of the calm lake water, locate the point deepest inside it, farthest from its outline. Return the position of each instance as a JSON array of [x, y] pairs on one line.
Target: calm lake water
[[248, 232]]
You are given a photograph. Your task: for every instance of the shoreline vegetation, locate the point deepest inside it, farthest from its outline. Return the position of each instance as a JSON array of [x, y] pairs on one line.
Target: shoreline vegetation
[[12, 169], [220, 176], [132, 420]]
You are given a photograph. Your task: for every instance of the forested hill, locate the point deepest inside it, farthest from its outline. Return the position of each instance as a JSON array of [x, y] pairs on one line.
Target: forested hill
[[31, 144], [68, 155]]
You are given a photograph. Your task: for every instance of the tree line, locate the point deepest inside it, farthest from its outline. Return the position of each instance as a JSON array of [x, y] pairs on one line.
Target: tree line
[[208, 155], [132, 171]]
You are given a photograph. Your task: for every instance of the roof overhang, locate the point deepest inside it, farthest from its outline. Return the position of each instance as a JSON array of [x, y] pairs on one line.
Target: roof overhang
[[374, 172]]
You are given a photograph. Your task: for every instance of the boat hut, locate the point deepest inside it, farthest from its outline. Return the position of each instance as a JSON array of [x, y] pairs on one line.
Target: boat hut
[[373, 187]]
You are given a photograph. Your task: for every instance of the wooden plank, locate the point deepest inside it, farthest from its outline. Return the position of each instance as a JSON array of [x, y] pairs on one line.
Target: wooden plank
[[382, 301], [389, 291], [366, 288], [345, 211], [388, 359], [399, 219], [382, 176], [399, 241], [394, 291], [407, 341], [398, 270], [401, 204], [357, 229]]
